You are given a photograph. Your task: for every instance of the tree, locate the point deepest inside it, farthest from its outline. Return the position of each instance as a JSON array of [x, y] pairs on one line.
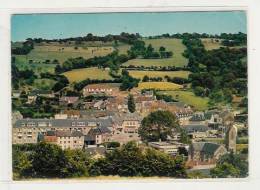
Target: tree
[[48, 161], [157, 126], [230, 165], [77, 163], [145, 78], [199, 91], [131, 103]]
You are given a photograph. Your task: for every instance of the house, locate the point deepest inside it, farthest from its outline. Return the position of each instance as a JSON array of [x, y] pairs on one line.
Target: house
[[97, 136], [68, 114], [142, 103], [65, 100], [197, 118], [32, 96], [213, 119], [196, 131], [203, 153], [117, 104], [99, 105], [170, 148], [105, 89], [65, 139], [16, 94], [126, 123]]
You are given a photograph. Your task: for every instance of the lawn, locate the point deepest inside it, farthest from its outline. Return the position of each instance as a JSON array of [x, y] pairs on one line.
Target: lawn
[[159, 85], [62, 53], [141, 74], [78, 75], [189, 98], [174, 45]]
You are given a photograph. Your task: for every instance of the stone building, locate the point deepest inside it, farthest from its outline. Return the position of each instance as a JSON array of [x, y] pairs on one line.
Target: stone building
[[28, 130], [202, 153], [65, 139]]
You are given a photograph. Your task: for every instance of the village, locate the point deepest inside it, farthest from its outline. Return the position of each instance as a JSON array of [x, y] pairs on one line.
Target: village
[[93, 124]]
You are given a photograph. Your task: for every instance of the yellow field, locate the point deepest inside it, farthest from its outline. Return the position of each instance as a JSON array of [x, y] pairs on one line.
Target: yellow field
[[211, 43], [62, 53], [141, 74], [174, 45], [159, 85], [78, 75]]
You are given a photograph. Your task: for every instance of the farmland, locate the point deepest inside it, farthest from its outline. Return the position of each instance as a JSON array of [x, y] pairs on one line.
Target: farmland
[[211, 43], [22, 62], [159, 85], [174, 45], [62, 53], [189, 97], [141, 74], [78, 75]]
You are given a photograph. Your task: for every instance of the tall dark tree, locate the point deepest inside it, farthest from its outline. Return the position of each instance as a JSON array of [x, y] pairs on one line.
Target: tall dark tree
[[131, 103]]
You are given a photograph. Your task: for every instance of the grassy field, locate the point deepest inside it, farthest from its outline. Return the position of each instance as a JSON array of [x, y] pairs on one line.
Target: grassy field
[[189, 97], [62, 53], [22, 64], [211, 43], [44, 84], [141, 74], [123, 48], [159, 85], [78, 75], [174, 45]]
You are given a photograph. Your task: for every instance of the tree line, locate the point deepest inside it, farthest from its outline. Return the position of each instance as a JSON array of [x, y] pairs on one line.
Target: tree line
[[44, 160]]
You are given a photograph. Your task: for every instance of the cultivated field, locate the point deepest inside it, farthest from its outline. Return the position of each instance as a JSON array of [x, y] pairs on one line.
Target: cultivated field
[[189, 98], [174, 45], [141, 74], [159, 85], [78, 75], [62, 53]]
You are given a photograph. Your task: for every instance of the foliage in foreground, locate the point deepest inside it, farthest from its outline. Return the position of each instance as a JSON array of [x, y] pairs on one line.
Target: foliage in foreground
[[44, 160], [130, 160], [231, 165]]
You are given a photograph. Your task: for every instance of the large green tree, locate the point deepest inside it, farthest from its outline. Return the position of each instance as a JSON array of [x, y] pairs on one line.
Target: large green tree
[[158, 125], [231, 165]]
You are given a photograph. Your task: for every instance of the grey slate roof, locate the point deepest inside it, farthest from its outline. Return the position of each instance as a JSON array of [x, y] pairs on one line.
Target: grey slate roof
[[69, 134], [195, 128], [205, 147], [107, 122], [119, 118]]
